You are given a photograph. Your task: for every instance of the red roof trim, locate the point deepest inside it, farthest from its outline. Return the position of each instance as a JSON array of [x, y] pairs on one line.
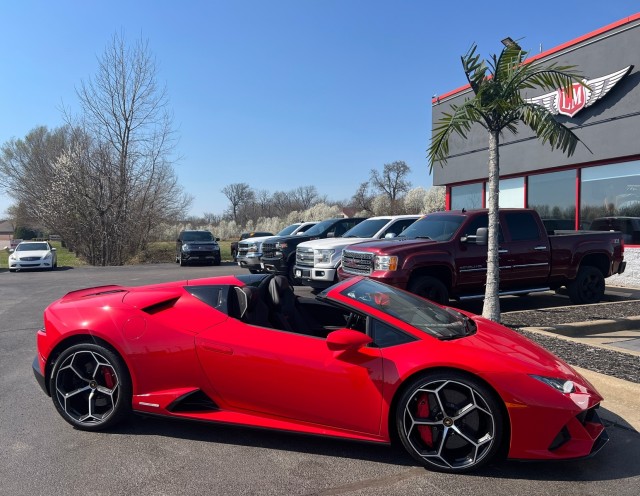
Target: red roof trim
[[542, 55]]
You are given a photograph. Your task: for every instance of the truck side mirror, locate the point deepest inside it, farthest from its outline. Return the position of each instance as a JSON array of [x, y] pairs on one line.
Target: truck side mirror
[[482, 236], [389, 235]]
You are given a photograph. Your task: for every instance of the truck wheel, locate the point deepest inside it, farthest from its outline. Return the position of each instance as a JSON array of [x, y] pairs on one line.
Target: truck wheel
[[182, 262], [431, 288], [587, 287]]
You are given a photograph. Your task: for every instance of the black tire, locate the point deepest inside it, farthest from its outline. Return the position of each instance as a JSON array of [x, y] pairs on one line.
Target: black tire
[[587, 287], [234, 254], [182, 262], [463, 425], [216, 262], [431, 288], [90, 387]]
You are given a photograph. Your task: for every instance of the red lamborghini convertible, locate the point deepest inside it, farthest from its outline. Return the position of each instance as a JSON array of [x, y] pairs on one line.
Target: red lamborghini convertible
[[361, 361]]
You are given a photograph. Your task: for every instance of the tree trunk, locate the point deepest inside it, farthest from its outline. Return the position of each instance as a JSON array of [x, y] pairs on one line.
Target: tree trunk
[[491, 307]]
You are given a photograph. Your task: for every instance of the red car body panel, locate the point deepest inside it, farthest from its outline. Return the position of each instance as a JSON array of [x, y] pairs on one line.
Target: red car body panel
[[174, 344]]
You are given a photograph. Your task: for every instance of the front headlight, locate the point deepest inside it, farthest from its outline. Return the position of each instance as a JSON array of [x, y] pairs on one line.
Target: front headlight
[[385, 262], [281, 245], [563, 385], [322, 256], [185, 247], [47, 256]]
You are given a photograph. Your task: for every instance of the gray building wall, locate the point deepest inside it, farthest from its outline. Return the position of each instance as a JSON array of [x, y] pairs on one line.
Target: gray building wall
[[610, 128]]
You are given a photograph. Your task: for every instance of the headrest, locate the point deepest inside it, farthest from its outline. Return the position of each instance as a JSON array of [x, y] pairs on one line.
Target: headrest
[[278, 287]]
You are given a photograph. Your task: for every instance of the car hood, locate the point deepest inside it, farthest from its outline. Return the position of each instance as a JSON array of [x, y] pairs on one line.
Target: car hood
[[31, 253], [393, 245], [331, 243], [258, 239]]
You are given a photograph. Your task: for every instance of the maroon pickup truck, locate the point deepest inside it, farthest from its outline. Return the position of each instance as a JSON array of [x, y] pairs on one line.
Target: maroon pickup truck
[[444, 255]]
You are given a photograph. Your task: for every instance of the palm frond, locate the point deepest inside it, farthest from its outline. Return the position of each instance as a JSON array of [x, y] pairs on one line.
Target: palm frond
[[547, 129], [459, 122]]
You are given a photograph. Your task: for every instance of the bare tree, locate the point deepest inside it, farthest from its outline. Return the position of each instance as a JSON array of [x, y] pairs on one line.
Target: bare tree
[[362, 200], [104, 181], [392, 182], [239, 195]]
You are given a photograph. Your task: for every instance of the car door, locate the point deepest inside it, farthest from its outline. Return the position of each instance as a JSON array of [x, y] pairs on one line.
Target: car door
[[527, 252], [292, 375], [471, 259]]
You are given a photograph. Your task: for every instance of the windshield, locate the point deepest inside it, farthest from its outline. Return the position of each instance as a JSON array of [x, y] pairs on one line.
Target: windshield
[[434, 226], [197, 236], [366, 229], [32, 247], [320, 227], [288, 230], [420, 313]]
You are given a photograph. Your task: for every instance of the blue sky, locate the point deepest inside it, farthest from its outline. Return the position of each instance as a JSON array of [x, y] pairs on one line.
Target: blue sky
[[279, 93]]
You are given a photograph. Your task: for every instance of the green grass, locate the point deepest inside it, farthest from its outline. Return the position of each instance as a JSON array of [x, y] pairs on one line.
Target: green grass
[[66, 258], [156, 252]]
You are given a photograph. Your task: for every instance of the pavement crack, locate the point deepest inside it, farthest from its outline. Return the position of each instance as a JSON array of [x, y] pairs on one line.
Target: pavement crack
[[372, 483]]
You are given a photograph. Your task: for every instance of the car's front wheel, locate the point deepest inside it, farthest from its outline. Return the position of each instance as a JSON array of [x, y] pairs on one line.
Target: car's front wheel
[[449, 421], [90, 387]]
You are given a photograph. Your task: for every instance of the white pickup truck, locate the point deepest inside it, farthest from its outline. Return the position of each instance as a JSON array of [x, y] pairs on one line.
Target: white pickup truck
[[317, 261]]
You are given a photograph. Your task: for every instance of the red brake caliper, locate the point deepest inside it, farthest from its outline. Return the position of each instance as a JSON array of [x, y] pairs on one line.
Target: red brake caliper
[[423, 412], [109, 381]]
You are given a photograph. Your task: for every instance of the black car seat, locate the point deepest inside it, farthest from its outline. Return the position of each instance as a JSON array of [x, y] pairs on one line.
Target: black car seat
[[285, 312], [252, 309]]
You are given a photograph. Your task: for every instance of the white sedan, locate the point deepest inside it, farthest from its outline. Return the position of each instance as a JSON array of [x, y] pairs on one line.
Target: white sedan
[[33, 255]]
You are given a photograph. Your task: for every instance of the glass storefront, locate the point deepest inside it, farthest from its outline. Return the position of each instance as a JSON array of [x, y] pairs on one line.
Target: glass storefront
[[468, 196], [553, 196], [610, 190], [605, 191], [511, 193]]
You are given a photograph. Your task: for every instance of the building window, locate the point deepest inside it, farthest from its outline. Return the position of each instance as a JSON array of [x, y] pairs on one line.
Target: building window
[[610, 190], [553, 196], [468, 196], [511, 193]]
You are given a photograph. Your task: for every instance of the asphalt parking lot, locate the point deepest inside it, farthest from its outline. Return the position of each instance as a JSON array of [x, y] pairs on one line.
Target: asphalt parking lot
[[42, 454]]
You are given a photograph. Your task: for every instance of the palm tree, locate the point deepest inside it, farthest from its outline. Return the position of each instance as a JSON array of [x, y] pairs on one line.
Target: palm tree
[[498, 105]]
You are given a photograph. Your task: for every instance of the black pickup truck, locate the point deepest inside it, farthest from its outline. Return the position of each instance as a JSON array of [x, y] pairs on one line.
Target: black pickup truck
[[279, 252]]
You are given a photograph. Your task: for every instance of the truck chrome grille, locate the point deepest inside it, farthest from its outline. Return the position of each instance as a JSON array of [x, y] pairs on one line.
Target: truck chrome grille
[[268, 250], [357, 262], [304, 257]]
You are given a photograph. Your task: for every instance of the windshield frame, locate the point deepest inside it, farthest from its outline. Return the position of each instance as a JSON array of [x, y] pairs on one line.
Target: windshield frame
[[442, 323]]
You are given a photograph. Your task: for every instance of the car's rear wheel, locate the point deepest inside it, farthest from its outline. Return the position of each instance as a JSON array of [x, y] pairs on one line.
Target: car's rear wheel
[[431, 288], [90, 387], [449, 421], [587, 287]]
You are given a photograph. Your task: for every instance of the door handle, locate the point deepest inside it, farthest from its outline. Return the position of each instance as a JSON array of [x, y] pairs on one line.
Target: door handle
[[540, 248], [502, 250]]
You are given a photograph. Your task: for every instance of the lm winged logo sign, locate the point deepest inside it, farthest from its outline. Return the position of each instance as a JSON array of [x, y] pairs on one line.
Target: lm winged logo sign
[[562, 102]]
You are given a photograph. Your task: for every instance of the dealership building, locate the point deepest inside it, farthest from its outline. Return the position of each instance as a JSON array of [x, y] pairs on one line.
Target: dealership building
[[602, 177]]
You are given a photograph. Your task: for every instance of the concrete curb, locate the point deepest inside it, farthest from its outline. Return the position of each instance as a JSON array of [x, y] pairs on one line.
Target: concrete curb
[[576, 329]]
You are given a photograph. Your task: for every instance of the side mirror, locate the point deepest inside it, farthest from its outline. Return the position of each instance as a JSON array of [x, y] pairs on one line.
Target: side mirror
[[217, 239], [479, 238], [390, 235], [482, 236], [53, 249], [178, 240], [331, 235], [347, 340], [11, 250]]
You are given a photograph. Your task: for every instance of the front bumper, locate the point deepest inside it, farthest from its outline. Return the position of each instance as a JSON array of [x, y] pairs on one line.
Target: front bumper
[[274, 265], [200, 256], [38, 374], [37, 264], [315, 277]]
